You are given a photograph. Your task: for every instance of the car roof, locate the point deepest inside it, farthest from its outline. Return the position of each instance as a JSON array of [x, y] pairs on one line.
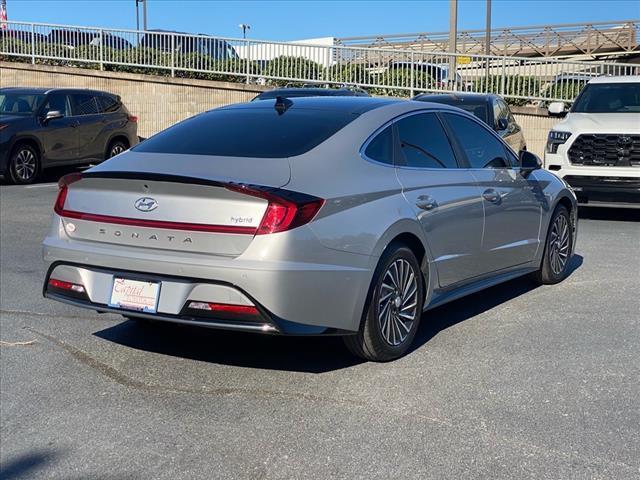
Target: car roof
[[44, 91], [346, 104], [295, 92], [461, 97], [617, 79]]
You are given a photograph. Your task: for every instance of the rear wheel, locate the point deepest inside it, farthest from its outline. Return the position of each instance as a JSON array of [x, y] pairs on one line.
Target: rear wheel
[[558, 248], [24, 164], [116, 148], [394, 308]]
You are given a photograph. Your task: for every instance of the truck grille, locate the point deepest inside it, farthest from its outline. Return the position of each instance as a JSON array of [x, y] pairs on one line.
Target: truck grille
[[606, 150]]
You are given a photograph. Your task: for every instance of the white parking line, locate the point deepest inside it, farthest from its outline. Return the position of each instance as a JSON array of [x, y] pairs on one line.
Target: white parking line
[[42, 185]]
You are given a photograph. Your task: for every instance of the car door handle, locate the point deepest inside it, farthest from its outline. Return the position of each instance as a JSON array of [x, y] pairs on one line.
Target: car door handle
[[425, 202], [491, 195]]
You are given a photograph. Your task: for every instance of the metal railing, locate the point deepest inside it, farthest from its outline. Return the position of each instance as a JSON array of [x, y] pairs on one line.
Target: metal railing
[[384, 71], [563, 40]]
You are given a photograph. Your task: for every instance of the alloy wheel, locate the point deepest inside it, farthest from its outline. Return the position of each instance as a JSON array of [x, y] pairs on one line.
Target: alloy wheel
[[398, 302], [25, 165], [559, 244], [117, 149]]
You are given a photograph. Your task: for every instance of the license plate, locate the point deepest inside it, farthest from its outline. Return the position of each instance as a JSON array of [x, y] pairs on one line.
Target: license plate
[[135, 295]]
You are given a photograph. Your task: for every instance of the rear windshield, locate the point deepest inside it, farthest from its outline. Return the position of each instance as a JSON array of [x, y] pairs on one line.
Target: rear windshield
[[249, 132]]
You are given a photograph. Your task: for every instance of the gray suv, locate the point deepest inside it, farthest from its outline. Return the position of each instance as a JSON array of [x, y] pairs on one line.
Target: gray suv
[[42, 128], [313, 216]]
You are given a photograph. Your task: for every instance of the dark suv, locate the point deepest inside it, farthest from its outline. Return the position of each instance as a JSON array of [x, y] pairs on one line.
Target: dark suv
[[490, 108], [42, 128]]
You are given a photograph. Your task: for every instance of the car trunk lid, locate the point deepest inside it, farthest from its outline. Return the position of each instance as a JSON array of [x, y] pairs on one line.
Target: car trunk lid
[[173, 202]]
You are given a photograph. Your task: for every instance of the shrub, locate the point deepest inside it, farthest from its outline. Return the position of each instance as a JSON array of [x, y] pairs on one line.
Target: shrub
[[295, 67], [567, 90], [399, 77], [349, 74], [520, 85]]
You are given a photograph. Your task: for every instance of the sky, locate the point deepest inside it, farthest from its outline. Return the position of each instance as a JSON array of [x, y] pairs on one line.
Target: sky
[[291, 20]]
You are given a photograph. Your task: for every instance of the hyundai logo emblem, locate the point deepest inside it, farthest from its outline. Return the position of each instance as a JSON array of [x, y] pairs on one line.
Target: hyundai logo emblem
[[146, 204]]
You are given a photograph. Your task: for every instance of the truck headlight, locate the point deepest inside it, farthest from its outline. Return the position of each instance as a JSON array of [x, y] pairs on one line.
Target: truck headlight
[[556, 138]]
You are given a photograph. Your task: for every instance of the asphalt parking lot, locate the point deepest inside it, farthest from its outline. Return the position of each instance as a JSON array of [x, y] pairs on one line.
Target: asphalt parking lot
[[515, 382]]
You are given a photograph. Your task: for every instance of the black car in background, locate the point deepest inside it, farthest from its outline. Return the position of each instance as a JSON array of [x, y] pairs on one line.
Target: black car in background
[[71, 38], [41, 128], [311, 91], [490, 108], [180, 42]]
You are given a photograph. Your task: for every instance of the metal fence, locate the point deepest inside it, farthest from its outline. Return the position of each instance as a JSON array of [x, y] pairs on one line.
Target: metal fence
[[619, 38], [382, 71]]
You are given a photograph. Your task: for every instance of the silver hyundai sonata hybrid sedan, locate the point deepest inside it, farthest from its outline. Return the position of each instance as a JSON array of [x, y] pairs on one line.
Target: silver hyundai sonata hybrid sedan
[[336, 215]]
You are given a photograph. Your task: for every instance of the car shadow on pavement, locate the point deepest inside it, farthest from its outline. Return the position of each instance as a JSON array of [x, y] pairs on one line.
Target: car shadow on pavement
[[440, 318], [611, 214], [296, 354], [269, 352], [51, 175], [25, 465]]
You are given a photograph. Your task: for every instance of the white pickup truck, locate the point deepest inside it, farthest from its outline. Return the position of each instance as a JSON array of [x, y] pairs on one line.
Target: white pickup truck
[[596, 147]]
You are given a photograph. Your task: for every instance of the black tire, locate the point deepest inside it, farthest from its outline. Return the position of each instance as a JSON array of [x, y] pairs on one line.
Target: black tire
[[24, 164], [551, 271], [372, 342], [116, 147]]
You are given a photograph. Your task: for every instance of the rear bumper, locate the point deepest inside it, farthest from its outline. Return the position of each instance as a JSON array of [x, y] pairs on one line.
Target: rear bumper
[[605, 190], [321, 294], [186, 290]]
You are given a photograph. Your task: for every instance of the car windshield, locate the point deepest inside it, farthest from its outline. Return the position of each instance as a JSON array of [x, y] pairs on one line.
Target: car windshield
[[608, 98], [477, 108], [244, 132], [20, 103]]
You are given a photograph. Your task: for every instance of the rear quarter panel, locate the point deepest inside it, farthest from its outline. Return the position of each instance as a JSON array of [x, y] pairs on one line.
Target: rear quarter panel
[[553, 191]]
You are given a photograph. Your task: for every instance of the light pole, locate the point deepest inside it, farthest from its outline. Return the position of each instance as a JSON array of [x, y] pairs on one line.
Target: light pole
[[144, 14], [244, 28], [453, 37], [487, 39], [137, 15]]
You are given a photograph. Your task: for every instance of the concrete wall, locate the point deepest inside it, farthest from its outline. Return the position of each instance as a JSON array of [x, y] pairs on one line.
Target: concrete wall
[[159, 102], [536, 125]]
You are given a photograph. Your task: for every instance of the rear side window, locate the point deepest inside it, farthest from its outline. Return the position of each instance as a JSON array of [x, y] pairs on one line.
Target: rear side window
[[249, 132], [107, 104], [423, 142], [84, 104], [380, 148], [482, 149]]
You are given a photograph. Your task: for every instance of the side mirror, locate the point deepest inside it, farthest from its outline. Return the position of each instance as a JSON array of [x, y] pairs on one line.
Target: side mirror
[[556, 109], [529, 161], [52, 115], [502, 124]]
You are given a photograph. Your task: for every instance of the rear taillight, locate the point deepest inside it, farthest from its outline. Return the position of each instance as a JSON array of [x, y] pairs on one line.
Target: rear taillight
[[133, 119], [285, 211], [225, 308], [62, 285], [63, 185], [228, 311], [68, 289]]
